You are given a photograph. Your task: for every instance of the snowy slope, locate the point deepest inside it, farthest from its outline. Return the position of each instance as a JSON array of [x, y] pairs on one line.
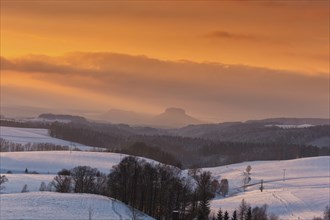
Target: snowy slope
[[36, 135], [54, 161], [51, 205], [304, 193], [33, 181]]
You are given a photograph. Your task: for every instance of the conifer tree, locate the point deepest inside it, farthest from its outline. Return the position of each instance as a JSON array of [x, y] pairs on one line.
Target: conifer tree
[[234, 217], [203, 210], [248, 214], [243, 208], [226, 216], [219, 215]]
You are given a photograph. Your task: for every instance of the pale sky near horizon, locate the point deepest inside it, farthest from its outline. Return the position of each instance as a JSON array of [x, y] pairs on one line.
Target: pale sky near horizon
[[229, 60]]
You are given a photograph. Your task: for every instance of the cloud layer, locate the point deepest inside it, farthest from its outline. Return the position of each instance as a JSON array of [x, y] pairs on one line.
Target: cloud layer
[[142, 84]]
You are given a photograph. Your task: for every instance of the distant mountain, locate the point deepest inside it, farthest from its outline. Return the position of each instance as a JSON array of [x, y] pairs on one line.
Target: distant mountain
[[170, 118], [62, 118], [174, 117]]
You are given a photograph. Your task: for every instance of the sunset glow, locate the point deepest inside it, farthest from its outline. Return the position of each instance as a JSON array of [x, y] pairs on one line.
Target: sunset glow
[[225, 60]]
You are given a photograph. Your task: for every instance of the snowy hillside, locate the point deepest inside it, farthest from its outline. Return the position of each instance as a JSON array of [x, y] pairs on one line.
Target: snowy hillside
[[33, 181], [36, 135], [304, 193], [51, 205], [54, 161]]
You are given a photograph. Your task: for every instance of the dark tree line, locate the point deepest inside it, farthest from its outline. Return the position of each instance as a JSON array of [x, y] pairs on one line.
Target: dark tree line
[[234, 142], [238, 152], [81, 179], [7, 146], [22, 124], [154, 189], [159, 189], [245, 212], [85, 135], [189, 151]]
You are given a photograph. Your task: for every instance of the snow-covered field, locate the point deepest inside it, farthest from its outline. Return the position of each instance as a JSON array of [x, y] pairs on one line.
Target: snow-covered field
[[304, 193], [46, 162], [37, 135], [51, 205], [33, 181]]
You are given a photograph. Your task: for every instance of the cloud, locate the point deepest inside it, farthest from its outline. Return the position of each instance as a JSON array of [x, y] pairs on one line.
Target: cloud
[[229, 35], [232, 92], [37, 64]]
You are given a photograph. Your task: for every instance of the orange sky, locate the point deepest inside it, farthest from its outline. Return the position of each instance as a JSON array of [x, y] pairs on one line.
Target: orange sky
[[285, 38]]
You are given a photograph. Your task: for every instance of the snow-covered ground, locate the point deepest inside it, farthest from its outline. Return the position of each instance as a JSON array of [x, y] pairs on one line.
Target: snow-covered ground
[[51, 205], [33, 181], [50, 162], [291, 126], [37, 135], [304, 193]]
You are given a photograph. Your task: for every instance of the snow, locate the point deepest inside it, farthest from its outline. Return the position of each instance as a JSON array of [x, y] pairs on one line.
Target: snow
[[304, 193], [33, 181], [53, 161], [51, 205], [37, 135], [291, 126]]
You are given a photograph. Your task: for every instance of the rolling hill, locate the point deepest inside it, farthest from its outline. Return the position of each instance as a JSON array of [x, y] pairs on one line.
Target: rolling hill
[[304, 193], [51, 205]]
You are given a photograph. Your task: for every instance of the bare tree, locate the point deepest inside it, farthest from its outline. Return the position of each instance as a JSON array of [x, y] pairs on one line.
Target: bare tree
[[259, 213], [25, 189], [62, 182], [248, 169], [215, 186], [3, 179], [224, 187], [50, 186], [84, 178], [246, 180], [43, 186]]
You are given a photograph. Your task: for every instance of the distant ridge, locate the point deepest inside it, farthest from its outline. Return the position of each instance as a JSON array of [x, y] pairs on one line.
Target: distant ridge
[[293, 121], [54, 117], [170, 118]]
